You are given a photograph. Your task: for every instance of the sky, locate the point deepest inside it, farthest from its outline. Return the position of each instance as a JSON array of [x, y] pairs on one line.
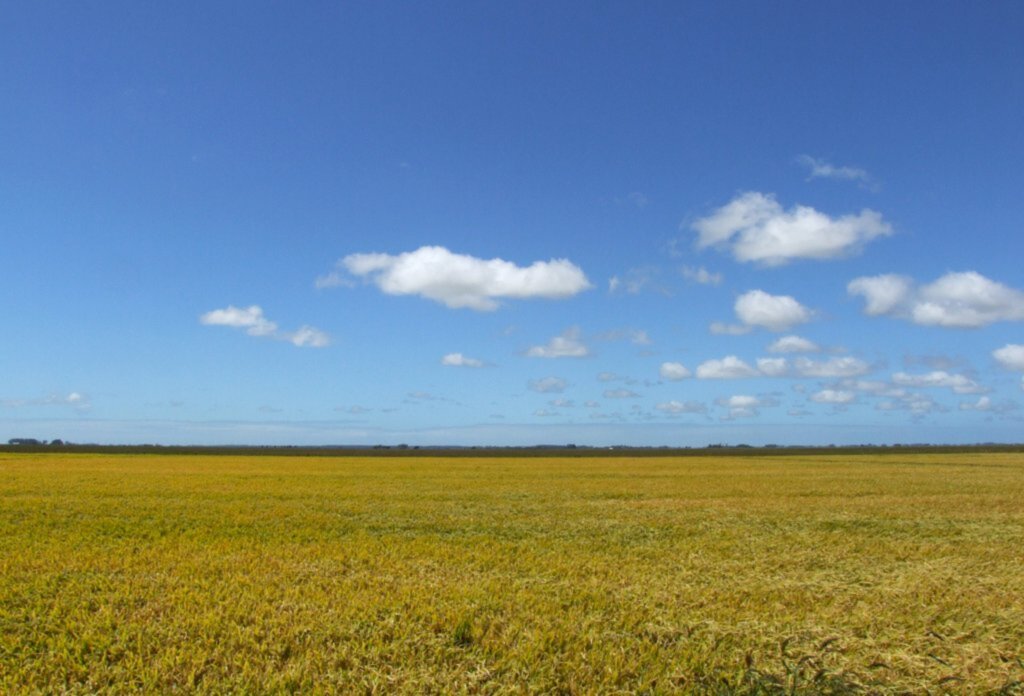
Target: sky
[[512, 223]]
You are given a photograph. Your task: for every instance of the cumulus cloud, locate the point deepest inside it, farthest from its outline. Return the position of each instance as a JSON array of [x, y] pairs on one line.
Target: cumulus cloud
[[1010, 356], [793, 344], [757, 229], [772, 312], [743, 406], [833, 367], [820, 169], [460, 360], [459, 280], [835, 397], [732, 367], [568, 345], [956, 300], [986, 405], [251, 319], [675, 408], [729, 367], [548, 385], [673, 371], [701, 275], [941, 379], [758, 309], [917, 404], [772, 367]]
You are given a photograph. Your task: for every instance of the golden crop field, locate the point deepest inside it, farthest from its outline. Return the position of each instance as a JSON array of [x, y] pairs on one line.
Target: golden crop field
[[847, 573]]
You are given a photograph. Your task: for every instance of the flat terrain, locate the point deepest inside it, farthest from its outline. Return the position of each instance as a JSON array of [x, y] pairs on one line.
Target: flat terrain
[[845, 573]]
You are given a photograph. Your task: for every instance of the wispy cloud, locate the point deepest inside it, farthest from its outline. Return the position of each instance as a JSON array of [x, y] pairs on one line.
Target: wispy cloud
[[755, 228], [620, 394], [459, 280], [675, 408], [820, 169], [701, 275], [634, 281], [548, 385], [75, 400]]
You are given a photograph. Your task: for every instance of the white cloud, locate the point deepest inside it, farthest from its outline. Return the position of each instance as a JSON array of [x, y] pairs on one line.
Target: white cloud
[[701, 275], [255, 324], [674, 407], [249, 318], [917, 404], [458, 280], [957, 300], [729, 367], [833, 367], [742, 406], [548, 385], [308, 337], [759, 230], [883, 293], [568, 345], [673, 371], [983, 403], [772, 312], [772, 367], [460, 360], [836, 397], [793, 344], [820, 169], [941, 379], [620, 394], [1010, 356]]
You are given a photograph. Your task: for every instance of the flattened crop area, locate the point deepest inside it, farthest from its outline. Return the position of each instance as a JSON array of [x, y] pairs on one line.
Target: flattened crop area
[[807, 574]]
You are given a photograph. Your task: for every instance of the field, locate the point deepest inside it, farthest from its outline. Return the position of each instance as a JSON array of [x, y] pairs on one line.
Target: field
[[844, 573]]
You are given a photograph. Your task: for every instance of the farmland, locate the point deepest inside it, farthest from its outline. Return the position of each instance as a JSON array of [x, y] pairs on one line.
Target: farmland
[[807, 573]]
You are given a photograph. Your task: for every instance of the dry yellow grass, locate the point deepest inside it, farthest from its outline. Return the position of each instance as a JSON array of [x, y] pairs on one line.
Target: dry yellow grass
[[807, 574]]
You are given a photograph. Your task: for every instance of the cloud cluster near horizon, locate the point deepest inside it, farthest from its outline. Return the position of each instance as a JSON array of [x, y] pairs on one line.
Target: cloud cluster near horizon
[[459, 280]]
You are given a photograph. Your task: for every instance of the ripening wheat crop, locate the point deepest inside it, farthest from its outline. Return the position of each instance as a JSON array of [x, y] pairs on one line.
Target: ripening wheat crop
[[264, 574]]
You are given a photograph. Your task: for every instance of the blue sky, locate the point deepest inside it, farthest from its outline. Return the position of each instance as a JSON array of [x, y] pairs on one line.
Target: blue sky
[[512, 223]]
